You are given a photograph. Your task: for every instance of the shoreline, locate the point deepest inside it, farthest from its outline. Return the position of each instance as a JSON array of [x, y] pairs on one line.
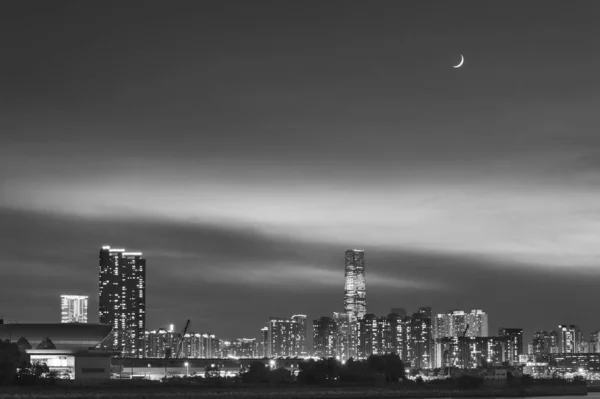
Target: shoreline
[[191, 392]]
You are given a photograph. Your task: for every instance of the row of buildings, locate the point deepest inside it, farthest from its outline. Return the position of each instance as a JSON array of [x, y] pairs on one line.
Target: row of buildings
[[423, 339]]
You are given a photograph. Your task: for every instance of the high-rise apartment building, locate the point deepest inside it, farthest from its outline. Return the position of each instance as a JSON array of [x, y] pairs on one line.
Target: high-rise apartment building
[[392, 334], [346, 343], [477, 320], [369, 336], [325, 336], [459, 322], [122, 299], [569, 338], [287, 337], [471, 352], [162, 343], [73, 308], [543, 344], [300, 338], [594, 346], [422, 339], [355, 296], [514, 344], [263, 349]]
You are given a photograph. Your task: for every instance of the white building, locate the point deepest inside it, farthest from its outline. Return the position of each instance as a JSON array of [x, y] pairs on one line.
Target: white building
[[73, 308]]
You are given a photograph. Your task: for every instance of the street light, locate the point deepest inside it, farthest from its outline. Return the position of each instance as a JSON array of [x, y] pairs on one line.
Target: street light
[[187, 370]]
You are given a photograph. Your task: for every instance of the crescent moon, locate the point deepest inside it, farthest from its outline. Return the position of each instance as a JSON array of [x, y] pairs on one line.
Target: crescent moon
[[462, 61]]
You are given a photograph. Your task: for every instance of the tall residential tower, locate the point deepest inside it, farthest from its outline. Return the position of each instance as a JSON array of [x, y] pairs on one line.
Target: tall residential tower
[[122, 299], [355, 296], [73, 308]]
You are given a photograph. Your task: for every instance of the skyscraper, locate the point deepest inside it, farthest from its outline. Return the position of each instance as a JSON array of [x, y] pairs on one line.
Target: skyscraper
[[355, 296], [569, 337], [346, 335], [73, 308], [455, 324], [264, 342], [286, 336], [325, 336], [122, 299], [543, 344], [422, 339], [300, 331], [514, 345]]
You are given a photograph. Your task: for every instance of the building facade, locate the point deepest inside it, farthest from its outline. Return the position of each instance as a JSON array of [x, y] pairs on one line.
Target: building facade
[[346, 341], [355, 295], [264, 343], [74, 308], [287, 337], [300, 331], [325, 337], [459, 322], [122, 299], [422, 351], [543, 343], [569, 338], [514, 343]]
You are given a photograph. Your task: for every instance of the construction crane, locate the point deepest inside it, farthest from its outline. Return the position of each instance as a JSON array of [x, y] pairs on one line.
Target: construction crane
[[180, 346]]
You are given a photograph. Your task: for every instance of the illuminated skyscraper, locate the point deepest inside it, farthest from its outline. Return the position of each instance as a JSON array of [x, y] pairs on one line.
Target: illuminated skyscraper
[[287, 337], [421, 344], [455, 324], [300, 331], [122, 299], [569, 337], [325, 338], [73, 308], [346, 341], [355, 296]]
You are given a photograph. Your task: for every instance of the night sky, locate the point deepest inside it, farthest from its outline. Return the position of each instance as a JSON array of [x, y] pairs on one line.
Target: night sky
[[243, 146]]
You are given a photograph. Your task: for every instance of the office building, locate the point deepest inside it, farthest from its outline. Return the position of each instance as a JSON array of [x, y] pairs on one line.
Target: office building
[[287, 337], [355, 296], [122, 299], [73, 308], [514, 343], [325, 336]]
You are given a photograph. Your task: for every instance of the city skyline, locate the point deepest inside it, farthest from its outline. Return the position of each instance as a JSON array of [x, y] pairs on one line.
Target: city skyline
[[243, 148]]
